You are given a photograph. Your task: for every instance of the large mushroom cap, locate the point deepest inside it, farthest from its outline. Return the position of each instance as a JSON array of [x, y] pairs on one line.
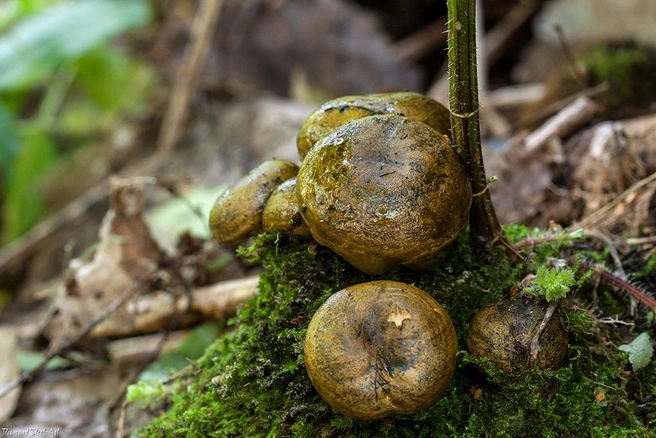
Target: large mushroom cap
[[380, 348], [237, 212], [336, 112], [382, 191]]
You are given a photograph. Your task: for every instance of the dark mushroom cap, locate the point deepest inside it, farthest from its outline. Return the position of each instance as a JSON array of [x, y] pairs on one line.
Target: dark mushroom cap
[[503, 331], [237, 212], [380, 348], [281, 212], [335, 113], [382, 191]]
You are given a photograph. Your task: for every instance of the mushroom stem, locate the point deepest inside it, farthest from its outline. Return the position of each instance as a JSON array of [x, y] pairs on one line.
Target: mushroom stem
[[464, 107]]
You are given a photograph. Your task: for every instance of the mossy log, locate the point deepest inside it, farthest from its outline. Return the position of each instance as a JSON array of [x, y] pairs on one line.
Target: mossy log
[[252, 380]]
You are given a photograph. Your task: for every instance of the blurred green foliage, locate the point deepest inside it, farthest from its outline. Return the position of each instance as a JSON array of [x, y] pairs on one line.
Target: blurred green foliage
[[63, 81]]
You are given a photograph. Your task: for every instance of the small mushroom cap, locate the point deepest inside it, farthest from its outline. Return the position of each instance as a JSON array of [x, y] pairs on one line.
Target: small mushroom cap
[[281, 212], [237, 212], [335, 113], [503, 332], [380, 348], [382, 191]]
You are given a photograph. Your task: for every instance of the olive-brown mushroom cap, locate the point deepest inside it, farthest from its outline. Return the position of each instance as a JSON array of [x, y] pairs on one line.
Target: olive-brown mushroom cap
[[382, 191], [503, 331], [281, 212], [336, 112], [380, 348], [237, 212]]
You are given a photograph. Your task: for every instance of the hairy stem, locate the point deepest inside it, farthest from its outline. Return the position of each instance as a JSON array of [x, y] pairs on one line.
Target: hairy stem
[[463, 104]]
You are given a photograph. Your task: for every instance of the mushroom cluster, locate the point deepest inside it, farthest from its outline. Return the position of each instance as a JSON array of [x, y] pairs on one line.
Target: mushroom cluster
[[379, 184]]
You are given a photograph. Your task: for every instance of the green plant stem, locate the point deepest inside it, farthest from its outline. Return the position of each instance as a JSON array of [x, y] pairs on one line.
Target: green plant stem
[[464, 106]]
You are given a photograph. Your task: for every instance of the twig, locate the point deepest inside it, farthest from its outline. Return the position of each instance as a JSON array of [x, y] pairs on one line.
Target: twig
[[195, 53], [516, 95], [120, 433], [612, 250], [559, 105], [64, 347], [562, 124], [152, 312], [644, 299], [535, 342], [641, 240], [611, 320], [577, 68], [139, 348]]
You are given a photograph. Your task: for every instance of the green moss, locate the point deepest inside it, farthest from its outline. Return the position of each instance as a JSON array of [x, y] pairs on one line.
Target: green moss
[[627, 69], [252, 381]]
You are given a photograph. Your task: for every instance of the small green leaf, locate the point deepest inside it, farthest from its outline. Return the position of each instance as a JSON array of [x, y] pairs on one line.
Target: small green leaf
[[9, 141], [113, 81], [191, 349], [36, 45], [148, 393], [640, 351], [29, 360], [552, 282], [24, 205]]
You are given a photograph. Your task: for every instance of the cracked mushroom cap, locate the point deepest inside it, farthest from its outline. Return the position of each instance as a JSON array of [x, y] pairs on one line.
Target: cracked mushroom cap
[[380, 348], [336, 112], [237, 212], [382, 191]]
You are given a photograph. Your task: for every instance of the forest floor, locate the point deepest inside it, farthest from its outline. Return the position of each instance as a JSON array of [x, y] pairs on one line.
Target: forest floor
[[569, 134]]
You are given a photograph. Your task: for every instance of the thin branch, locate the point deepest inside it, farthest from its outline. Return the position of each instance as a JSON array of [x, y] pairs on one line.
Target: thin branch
[[535, 342], [562, 124], [195, 54]]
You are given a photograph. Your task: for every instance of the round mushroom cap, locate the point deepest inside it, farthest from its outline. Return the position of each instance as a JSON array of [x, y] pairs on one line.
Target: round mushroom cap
[[503, 331], [281, 212], [336, 112], [380, 348], [384, 190], [237, 212]]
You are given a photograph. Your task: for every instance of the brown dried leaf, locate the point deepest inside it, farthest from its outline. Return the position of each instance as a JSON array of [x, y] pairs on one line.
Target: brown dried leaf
[[126, 258]]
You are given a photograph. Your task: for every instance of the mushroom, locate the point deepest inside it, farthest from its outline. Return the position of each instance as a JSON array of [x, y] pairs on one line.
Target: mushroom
[[281, 212], [503, 332], [384, 190], [237, 212], [336, 112], [380, 348]]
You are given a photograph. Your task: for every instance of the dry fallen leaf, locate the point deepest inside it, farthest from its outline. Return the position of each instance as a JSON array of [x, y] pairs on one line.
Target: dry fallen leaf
[[125, 259]]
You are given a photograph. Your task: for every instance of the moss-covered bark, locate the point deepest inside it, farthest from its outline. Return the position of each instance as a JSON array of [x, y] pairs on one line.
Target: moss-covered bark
[[252, 381]]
